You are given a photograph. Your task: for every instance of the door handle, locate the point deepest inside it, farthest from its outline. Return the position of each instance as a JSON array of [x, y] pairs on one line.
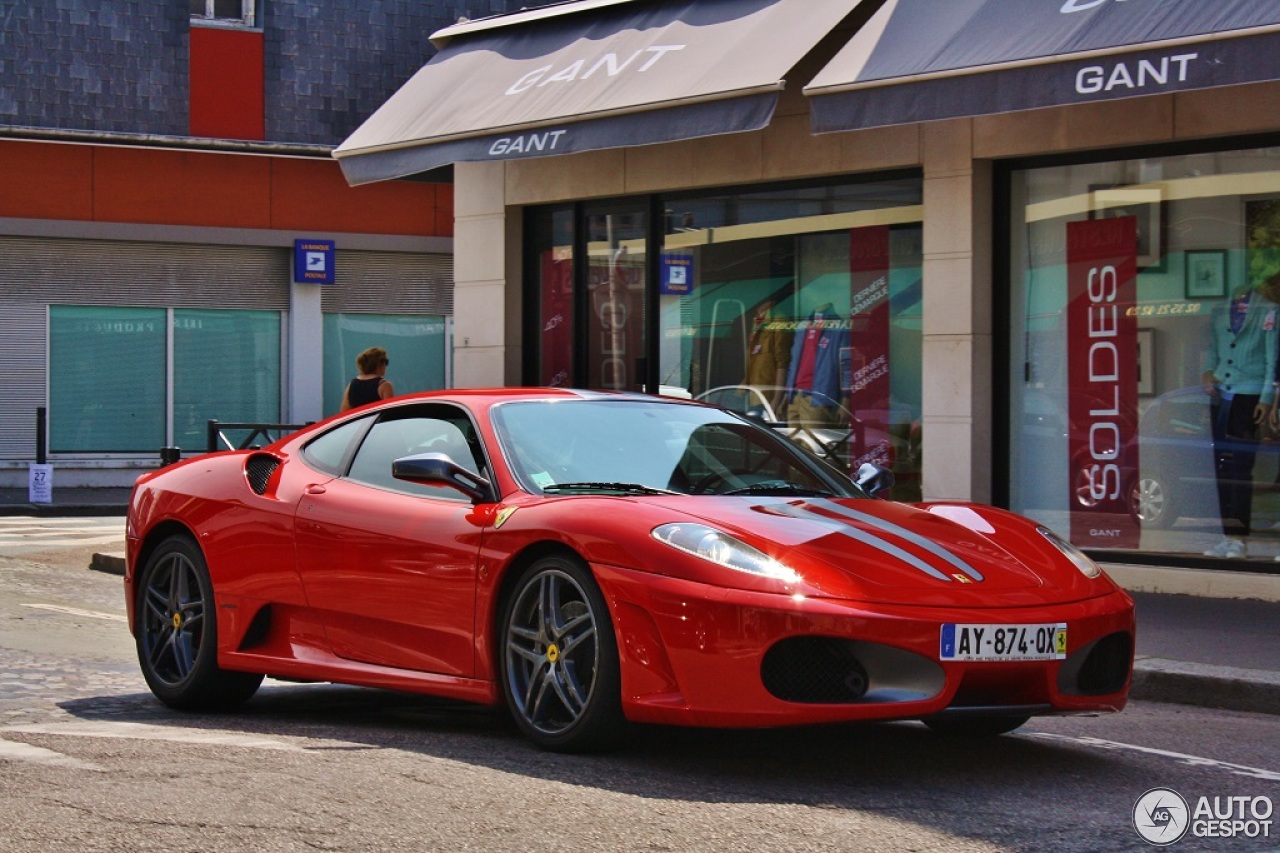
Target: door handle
[[315, 489]]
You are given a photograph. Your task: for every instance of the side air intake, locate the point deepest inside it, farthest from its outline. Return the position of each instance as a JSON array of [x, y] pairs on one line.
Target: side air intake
[[259, 469]]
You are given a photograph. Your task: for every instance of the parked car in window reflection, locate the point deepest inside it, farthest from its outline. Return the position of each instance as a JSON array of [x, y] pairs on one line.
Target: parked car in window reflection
[[890, 438], [1176, 477]]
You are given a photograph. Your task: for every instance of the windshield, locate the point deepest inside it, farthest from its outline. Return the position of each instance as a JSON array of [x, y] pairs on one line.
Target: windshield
[[626, 446]]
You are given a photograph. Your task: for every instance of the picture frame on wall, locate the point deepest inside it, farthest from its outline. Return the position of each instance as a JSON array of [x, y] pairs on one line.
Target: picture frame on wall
[[1206, 274], [1146, 204]]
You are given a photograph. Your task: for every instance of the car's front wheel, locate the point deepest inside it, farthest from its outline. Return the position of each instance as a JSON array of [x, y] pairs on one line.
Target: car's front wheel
[[177, 632], [559, 658]]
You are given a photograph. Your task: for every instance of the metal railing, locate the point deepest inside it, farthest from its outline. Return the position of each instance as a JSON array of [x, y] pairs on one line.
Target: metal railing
[[257, 434]]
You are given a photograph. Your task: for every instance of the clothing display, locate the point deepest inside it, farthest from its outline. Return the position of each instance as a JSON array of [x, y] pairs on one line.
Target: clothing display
[[768, 351], [816, 358]]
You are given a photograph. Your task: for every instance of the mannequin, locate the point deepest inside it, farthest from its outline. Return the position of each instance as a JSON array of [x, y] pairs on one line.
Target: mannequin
[[1240, 379]]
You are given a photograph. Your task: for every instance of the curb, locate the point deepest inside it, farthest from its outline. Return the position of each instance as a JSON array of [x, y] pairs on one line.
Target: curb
[[112, 564], [1205, 685], [62, 510]]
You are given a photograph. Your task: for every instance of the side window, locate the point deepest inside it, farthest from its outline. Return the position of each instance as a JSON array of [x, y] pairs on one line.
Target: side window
[[331, 451], [411, 432]]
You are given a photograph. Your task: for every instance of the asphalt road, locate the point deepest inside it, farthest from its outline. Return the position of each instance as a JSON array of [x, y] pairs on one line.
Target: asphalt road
[[88, 761]]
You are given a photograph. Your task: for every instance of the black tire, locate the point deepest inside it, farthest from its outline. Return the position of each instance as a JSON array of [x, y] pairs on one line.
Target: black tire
[[975, 726], [177, 633], [559, 658]]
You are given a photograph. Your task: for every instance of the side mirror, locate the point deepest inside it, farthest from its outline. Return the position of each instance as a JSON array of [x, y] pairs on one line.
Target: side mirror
[[438, 469], [873, 479]]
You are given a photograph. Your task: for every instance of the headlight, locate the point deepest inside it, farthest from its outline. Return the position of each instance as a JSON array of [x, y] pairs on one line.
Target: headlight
[[722, 549], [1087, 567]]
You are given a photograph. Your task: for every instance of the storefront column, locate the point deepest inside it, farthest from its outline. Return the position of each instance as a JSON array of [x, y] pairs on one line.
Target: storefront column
[[305, 350], [486, 296], [957, 345]]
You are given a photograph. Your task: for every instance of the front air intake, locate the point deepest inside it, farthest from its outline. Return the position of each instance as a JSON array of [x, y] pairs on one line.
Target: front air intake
[[814, 670], [1099, 668]]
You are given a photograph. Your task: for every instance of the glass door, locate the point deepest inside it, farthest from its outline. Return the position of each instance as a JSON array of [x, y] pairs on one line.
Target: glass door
[[617, 260]]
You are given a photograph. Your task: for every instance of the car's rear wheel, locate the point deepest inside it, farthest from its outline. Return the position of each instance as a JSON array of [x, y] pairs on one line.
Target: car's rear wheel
[[177, 632], [559, 658], [976, 726]]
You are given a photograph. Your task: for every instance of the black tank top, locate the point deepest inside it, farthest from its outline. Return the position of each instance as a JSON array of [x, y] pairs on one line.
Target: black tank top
[[362, 391]]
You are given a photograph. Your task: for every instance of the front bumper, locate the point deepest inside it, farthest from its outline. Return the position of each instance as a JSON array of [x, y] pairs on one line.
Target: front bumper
[[694, 654]]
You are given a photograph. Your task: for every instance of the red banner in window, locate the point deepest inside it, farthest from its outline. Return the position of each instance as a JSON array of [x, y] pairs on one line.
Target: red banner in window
[[556, 295], [1102, 364], [867, 367]]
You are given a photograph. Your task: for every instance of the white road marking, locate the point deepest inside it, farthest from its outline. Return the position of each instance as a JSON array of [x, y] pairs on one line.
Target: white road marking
[[25, 752], [28, 543], [76, 611], [26, 533], [145, 731], [1181, 757]]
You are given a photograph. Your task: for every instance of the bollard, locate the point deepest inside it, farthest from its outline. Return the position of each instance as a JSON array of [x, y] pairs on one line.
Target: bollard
[[169, 455]]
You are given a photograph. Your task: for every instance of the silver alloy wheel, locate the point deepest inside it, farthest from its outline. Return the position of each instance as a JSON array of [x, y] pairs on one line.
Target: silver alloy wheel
[[173, 619], [552, 652], [1150, 502], [177, 632]]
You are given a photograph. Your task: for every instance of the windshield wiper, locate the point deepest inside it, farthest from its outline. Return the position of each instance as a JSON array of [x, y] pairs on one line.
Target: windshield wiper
[[620, 488], [780, 487]]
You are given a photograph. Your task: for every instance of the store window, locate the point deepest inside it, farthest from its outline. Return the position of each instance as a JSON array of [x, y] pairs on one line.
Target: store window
[[418, 346], [113, 387], [226, 367], [107, 388], [1145, 303], [799, 306]]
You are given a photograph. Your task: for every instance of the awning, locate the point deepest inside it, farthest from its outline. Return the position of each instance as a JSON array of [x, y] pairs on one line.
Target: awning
[[590, 75], [922, 60]]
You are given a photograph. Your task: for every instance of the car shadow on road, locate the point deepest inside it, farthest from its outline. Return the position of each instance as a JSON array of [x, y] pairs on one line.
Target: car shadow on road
[[847, 765]]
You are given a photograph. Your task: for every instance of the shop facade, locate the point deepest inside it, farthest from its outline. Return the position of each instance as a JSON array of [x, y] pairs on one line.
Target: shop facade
[[1003, 294]]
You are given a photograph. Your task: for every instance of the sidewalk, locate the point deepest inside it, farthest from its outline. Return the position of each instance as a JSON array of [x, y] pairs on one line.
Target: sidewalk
[[1206, 637], [66, 502]]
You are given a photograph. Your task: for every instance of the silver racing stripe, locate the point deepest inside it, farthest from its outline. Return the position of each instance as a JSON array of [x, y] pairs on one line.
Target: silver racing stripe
[[806, 511], [899, 531]]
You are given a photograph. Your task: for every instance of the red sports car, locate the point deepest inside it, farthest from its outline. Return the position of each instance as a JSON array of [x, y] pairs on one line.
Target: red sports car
[[593, 560]]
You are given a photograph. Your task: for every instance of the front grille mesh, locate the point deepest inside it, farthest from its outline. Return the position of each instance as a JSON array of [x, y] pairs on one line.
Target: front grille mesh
[[814, 670]]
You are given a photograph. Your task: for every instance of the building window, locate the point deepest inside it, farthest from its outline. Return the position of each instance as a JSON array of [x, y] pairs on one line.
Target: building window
[[226, 366], [800, 306], [132, 380], [419, 348], [243, 12], [107, 389], [1144, 326]]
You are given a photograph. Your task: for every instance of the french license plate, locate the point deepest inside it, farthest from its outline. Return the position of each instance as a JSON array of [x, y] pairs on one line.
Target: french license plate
[[1004, 642]]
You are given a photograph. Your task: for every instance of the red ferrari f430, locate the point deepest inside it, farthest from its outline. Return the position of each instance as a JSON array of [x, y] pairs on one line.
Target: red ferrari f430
[[594, 560]]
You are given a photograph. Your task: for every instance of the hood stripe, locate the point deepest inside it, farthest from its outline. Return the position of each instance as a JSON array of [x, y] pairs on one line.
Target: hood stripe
[[808, 513], [899, 531]]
